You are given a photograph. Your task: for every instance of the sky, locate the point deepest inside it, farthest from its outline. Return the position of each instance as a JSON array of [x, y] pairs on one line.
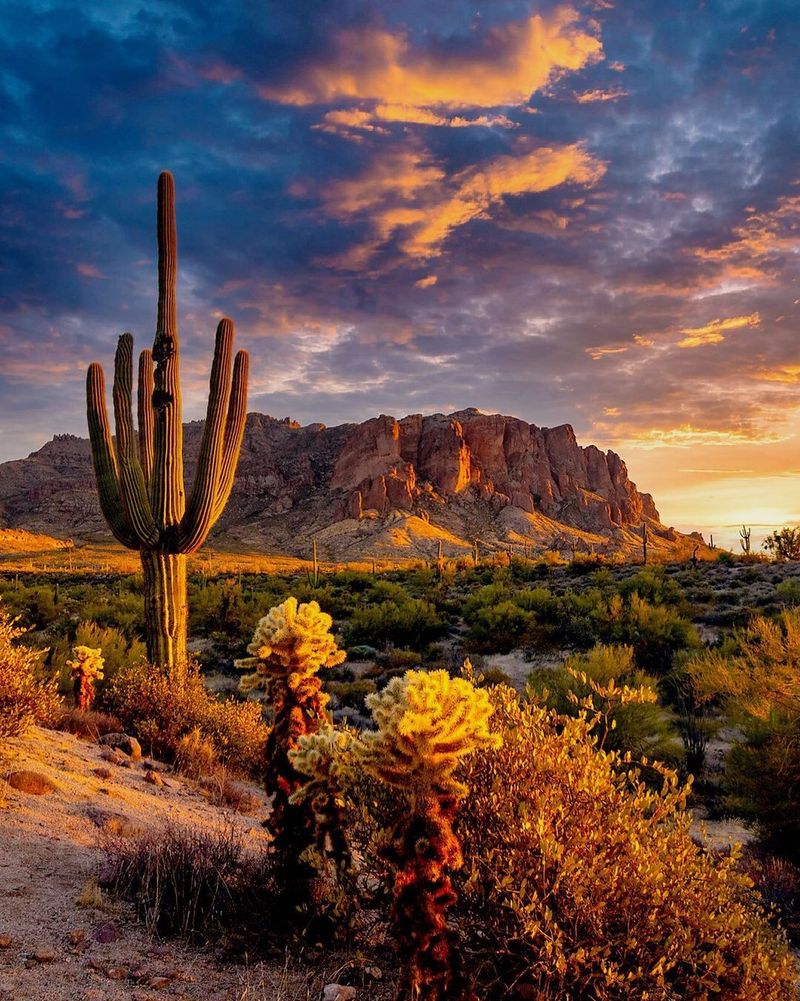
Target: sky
[[583, 213]]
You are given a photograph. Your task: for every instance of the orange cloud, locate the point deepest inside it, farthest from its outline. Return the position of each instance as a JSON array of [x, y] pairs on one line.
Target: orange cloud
[[407, 194], [712, 333], [426, 282], [788, 374], [600, 352], [591, 96], [508, 64], [760, 239], [89, 271]]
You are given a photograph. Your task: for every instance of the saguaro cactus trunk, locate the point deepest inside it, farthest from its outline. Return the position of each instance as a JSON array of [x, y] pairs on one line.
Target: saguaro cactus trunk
[[140, 476]]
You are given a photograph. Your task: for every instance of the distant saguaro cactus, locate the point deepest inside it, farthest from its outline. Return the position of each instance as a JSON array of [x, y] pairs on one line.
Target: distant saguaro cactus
[[645, 539], [744, 539], [140, 479]]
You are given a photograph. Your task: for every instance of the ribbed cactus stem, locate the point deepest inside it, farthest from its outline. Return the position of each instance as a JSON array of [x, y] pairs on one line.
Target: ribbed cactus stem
[[166, 609], [145, 413], [140, 479], [167, 487]]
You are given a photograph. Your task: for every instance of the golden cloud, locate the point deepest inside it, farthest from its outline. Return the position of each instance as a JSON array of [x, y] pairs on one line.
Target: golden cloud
[[762, 238], [593, 96], [712, 333], [407, 194], [508, 64]]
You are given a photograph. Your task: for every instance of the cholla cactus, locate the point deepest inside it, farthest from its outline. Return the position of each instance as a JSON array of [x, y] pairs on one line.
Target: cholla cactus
[[427, 722], [85, 670], [326, 760], [291, 644]]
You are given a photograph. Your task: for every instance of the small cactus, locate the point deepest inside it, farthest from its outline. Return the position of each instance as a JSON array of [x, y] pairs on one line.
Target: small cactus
[[291, 644], [85, 670], [426, 723]]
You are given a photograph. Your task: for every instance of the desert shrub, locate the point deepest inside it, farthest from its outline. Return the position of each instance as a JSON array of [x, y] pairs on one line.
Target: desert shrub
[[196, 755], [606, 684], [783, 544], [189, 882], [160, 710], [26, 697], [757, 676], [500, 628], [788, 591], [352, 693], [778, 882], [88, 723], [654, 585], [398, 620], [656, 633], [580, 882]]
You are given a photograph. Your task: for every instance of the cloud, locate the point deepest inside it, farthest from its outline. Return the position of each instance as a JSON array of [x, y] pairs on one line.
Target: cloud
[[760, 242], [408, 197], [712, 333], [600, 95], [502, 66]]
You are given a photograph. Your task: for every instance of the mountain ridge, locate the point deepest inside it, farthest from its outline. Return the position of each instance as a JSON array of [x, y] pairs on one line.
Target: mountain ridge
[[380, 486]]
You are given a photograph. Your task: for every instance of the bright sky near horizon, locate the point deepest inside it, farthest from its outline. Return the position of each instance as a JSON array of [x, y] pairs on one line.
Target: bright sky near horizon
[[583, 213]]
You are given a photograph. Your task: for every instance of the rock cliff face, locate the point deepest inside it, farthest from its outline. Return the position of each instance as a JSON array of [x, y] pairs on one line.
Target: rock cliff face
[[375, 486]]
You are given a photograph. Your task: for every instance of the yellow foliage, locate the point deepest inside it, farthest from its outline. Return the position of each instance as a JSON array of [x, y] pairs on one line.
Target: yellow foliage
[[426, 722], [293, 641], [24, 698], [579, 881], [765, 673]]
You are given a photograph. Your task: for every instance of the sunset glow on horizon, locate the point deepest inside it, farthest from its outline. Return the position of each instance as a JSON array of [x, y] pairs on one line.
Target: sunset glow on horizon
[[583, 213]]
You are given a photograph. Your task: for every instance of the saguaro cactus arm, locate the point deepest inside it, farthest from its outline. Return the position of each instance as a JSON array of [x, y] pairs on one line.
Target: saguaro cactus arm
[[199, 516], [104, 457], [166, 488], [234, 430], [144, 395], [132, 488]]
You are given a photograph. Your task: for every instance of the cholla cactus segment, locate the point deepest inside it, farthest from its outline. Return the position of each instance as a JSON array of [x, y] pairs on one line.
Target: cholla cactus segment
[[426, 722], [292, 641], [85, 669], [88, 663], [325, 757]]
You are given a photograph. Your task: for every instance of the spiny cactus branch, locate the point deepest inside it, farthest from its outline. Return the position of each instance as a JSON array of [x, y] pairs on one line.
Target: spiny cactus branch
[[104, 458], [132, 487], [145, 414], [167, 493]]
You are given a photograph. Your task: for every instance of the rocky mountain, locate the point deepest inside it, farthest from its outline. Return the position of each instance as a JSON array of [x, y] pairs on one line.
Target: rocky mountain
[[382, 487]]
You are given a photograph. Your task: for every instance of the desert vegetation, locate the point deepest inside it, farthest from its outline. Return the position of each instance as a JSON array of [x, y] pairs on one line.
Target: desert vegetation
[[489, 772]]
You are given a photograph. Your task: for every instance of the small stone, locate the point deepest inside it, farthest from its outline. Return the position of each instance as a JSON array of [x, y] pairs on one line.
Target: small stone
[[116, 973], [153, 778], [109, 754], [335, 992], [102, 773], [6, 941], [375, 972], [159, 983], [106, 933], [44, 955], [76, 936], [123, 742]]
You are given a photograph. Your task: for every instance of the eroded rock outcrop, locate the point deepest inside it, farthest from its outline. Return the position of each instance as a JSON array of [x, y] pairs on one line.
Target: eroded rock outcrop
[[457, 471]]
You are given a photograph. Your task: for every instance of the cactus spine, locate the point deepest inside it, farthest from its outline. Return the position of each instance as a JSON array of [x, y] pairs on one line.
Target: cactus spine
[[140, 477]]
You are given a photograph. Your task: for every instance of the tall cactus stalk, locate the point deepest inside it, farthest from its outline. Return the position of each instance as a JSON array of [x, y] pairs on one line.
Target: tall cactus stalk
[[140, 476]]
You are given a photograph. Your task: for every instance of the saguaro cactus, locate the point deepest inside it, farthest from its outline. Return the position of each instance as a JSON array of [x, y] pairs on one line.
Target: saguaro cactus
[[744, 539], [140, 479]]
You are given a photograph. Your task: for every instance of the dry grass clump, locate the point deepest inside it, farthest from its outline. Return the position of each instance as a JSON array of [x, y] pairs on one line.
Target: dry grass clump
[[88, 723], [189, 882], [25, 699], [162, 711], [27, 781]]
